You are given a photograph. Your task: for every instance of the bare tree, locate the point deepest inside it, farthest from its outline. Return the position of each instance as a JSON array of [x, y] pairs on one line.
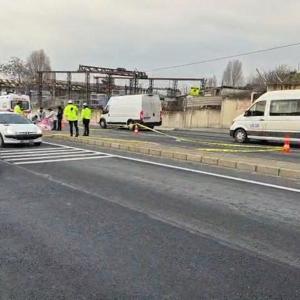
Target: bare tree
[[212, 82], [38, 61], [233, 74], [279, 75], [16, 69]]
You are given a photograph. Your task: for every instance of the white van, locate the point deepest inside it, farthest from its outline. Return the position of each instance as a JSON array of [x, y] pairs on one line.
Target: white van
[[274, 116], [8, 102], [127, 110]]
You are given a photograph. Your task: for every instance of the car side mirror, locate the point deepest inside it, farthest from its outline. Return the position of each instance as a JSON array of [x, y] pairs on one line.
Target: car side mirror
[[247, 113]]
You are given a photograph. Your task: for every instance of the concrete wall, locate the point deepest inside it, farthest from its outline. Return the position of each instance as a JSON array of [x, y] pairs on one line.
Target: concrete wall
[[209, 118]]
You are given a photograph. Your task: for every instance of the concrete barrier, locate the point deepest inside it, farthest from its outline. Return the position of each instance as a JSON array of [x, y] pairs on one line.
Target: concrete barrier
[[259, 166]]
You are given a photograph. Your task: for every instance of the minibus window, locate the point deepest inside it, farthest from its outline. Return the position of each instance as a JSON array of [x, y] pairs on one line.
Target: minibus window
[[258, 109], [285, 108]]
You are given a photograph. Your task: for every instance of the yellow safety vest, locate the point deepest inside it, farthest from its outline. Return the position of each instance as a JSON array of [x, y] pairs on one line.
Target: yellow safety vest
[[86, 113], [71, 112], [18, 110]]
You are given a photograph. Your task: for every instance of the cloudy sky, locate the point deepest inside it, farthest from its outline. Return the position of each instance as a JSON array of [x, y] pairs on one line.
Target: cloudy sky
[[146, 34]]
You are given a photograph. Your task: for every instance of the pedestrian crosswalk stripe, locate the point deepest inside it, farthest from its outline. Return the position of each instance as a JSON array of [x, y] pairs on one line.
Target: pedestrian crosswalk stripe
[[33, 154], [34, 149], [49, 154], [62, 159], [52, 156]]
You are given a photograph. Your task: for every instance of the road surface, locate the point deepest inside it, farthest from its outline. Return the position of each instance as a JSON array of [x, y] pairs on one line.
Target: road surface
[[219, 141], [76, 223]]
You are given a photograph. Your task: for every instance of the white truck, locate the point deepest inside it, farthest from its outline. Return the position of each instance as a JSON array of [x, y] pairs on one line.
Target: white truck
[[128, 110]]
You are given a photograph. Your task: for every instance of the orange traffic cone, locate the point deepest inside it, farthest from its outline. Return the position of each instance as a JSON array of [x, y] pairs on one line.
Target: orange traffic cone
[[286, 147], [136, 129]]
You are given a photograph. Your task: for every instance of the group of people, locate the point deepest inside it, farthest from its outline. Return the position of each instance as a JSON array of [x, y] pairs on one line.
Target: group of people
[[54, 117], [71, 114]]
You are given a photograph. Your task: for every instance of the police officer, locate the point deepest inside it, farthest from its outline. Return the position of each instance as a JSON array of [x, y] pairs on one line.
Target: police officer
[[18, 109], [86, 115], [71, 114]]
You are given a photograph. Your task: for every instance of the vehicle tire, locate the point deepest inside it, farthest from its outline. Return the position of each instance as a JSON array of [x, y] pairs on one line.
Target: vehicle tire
[[38, 144], [240, 135], [130, 124], [103, 124], [1, 142]]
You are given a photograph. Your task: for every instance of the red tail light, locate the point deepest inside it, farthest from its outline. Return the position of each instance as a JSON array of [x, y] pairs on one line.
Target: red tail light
[[142, 116]]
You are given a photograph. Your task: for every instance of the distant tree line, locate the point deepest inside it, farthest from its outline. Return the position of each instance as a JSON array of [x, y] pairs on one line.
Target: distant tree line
[[25, 72], [233, 76]]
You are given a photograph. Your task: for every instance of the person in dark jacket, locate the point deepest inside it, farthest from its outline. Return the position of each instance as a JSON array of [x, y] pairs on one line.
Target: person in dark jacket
[[59, 115]]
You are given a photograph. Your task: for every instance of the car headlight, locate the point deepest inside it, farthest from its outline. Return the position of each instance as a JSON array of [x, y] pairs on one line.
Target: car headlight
[[39, 130], [10, 131]]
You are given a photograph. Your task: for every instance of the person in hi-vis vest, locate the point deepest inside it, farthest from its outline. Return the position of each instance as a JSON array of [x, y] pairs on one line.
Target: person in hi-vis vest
[[71, 115]]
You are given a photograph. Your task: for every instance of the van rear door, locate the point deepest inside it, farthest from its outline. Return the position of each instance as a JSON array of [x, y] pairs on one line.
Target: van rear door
[[151, 109], [23, 100]]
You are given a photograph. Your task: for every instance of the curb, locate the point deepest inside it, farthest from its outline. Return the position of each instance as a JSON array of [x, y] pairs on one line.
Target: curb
[[184, 156]]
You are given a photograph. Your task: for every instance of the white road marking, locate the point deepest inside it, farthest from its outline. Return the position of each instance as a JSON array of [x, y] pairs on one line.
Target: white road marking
[[62, 159], [52, 156], [31, 149], [232, 178], [32, 154]]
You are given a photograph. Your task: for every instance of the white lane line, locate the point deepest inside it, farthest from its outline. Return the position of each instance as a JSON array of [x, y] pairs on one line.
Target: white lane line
[[52, 156], [260, 183], [63, 159], [254, 182], [33, 154]]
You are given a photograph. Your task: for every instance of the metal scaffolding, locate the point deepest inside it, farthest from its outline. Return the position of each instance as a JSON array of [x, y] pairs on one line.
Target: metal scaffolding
[[110, 75]]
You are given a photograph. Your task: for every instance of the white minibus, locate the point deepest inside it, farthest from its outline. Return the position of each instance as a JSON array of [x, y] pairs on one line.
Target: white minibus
[[274, 116]]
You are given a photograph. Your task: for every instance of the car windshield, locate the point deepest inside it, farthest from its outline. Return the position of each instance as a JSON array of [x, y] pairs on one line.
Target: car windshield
[[13, 119]]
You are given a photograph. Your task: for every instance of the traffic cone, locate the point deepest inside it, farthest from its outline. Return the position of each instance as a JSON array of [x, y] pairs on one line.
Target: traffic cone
[[136, 129], [286, 147]]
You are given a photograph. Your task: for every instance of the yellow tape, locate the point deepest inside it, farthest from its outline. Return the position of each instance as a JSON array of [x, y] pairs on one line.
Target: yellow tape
[[243, 148], [237, 150], [179, 139]]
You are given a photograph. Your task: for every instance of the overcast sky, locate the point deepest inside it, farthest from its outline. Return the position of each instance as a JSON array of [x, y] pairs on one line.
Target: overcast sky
[[146, 34]]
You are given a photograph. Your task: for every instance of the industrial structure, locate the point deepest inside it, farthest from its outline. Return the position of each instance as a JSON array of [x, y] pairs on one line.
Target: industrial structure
[[105, 83]]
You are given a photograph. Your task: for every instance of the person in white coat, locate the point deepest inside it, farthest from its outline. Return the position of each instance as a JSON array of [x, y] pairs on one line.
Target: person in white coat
[[52, 118]]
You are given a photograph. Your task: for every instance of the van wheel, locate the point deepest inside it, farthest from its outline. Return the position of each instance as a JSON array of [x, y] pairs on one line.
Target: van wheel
[[240, 135], [1, 142], [130, 124], [103, 124]]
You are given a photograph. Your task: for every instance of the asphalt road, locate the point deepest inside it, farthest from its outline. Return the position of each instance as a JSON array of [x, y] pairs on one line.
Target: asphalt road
[[219, 142], [79, 224]]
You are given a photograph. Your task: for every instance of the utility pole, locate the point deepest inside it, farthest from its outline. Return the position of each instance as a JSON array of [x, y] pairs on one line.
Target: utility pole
[[40, 89], [69, 84], [87, 87]]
